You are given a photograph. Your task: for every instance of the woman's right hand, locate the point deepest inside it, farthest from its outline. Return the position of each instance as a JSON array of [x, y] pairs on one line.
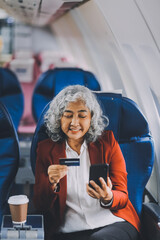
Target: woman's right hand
[[56, 172]]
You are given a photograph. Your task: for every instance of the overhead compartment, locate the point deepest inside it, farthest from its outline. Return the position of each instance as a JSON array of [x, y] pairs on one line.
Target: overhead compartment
[[38, 12]]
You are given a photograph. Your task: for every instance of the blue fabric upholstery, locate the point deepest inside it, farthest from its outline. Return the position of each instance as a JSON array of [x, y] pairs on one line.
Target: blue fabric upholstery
[[9, 157], [53, 81], [11, 94], [139, 157], [131, 130], [125, 118]]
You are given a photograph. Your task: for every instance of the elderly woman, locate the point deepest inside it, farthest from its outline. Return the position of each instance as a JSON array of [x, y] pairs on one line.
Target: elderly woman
[[72, 208]]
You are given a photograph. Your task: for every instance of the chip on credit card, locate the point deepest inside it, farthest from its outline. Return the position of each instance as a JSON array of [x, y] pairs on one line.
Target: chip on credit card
[[69, 161]]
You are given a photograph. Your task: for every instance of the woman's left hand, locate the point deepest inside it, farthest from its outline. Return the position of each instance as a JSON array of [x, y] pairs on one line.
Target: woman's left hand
[[103, 193]]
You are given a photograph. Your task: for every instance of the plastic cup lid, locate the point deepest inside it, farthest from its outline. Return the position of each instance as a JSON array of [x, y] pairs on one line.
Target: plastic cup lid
[[18, 199]]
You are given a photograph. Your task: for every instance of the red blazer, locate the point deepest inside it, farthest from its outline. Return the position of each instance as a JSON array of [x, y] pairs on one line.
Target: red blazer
[[52, 204]]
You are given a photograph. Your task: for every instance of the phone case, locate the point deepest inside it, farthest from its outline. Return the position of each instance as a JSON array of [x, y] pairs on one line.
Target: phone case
[[97, 171]]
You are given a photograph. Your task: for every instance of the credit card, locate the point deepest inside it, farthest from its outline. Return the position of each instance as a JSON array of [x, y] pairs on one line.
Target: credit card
[[69, 161]]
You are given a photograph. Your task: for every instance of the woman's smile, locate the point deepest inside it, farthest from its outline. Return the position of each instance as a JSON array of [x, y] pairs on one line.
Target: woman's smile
[[74, 129]]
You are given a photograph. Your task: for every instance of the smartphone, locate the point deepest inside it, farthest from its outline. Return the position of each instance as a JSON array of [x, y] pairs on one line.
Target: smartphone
[[97, 171], [69, 161]]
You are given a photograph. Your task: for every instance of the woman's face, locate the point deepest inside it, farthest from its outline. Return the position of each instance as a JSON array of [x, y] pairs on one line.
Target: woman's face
[[76, 120]]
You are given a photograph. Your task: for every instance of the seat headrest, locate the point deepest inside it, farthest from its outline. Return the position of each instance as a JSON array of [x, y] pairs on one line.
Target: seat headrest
[[73, 76], [126, 120], [53, 81], [50, 83], [8, 83], [11, 94]]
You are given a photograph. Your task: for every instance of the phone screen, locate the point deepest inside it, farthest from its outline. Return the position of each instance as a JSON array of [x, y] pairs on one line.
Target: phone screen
[[97, 171]]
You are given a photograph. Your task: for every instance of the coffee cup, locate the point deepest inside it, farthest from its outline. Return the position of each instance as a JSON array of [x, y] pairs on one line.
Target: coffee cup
[[18, 207]]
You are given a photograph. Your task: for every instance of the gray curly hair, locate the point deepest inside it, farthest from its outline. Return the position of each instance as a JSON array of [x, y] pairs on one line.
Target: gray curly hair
[[58, 105]]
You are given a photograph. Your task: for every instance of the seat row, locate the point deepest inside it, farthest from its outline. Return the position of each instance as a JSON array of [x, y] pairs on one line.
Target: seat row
[[46, 87], [128, 123], [130, 128]]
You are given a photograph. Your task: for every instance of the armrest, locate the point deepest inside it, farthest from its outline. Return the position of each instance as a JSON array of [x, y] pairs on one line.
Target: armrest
[[153, 209], [151, 221]]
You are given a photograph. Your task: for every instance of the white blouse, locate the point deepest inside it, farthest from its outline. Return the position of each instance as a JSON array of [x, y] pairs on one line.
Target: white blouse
[[82, 211]]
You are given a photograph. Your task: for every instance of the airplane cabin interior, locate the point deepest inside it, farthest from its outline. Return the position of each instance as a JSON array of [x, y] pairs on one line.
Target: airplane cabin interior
[[113, 48]]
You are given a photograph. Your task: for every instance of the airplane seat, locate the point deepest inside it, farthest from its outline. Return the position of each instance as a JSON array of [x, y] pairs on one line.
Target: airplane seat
[[28, 123], [11, 95], [131, 130], [9, 157], [26, 68], [53, 81]]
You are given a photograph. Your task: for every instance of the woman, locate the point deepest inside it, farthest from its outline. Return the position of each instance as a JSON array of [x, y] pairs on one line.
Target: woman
[[73, 209]]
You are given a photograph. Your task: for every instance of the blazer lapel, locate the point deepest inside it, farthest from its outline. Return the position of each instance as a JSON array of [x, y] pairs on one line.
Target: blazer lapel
[[58, 152], [96, 152]]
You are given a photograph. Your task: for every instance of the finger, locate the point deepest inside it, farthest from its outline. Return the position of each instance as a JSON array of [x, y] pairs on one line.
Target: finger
[[92, 195], [96, 190], [105, 192], [53, 181], [91, 192], [56, 172], [53, 168], [90, 189], [109, 182], [103, 184], [57, 168], [94, 185], [56, 175]]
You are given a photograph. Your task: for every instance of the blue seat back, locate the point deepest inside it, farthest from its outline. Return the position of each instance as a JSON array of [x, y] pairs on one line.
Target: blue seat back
[[11, 95], [9, 157], [53, 81], [131, 130]]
